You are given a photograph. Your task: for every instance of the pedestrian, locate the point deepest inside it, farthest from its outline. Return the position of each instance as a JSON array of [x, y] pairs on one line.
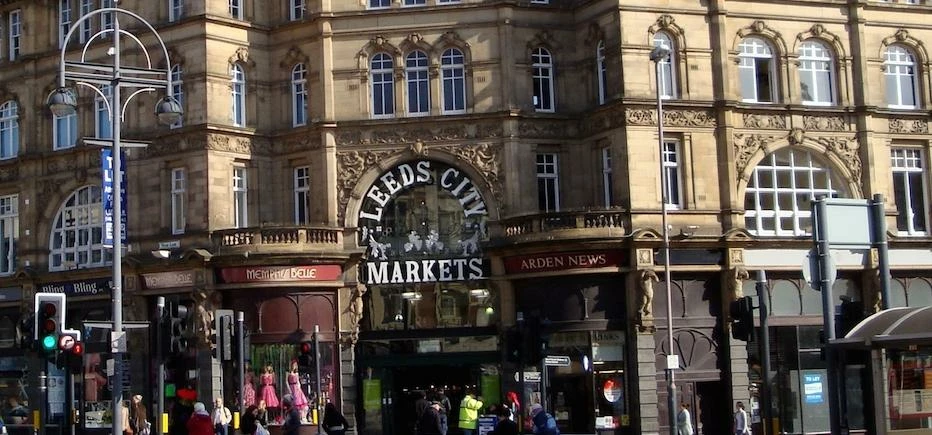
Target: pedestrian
[[429, 423], [506, 423], [247, 424], [262, 414], [221, 417], [469, 412], [138, 417], [200, 423], [292, 421], [124, 414], [684, 424], [543, 422], [741, 420], [334, 421], [445, 409]]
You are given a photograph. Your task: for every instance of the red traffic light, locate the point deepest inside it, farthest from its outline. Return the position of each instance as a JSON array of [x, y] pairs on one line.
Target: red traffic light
[[78, 349], [49, 309], [306, 347], [49, 326]]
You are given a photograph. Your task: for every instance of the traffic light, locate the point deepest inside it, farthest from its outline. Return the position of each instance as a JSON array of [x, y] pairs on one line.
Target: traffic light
[[851, 313], [71, 349], [222, 337], [306, 355], [25, 332], [50, 319], [742, 318], [177, 340], [535, 340]]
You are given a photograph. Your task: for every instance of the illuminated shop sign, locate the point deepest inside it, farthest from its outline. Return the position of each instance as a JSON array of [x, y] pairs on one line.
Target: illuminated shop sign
[[318, 272], [563, 261], [423, 222]]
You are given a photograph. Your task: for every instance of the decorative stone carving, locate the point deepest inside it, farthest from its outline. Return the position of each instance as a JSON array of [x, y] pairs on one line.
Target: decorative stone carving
[[745, 147], [355, 310], [796, 136], [543, 38], [241, 56], [418, 148], [202, 318], [237, 144], [292, 58], [897, 125], [545, 129], [847, 151], [9, 173], [824, 123], [736, 277], [773, 122], [872, 290], [422, 132], [674, 118], [646, 280], [351, 166]]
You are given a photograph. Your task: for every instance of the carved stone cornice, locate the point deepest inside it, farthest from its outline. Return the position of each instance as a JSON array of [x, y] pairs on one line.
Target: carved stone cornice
[[237, 144], [404, 134], [770, 122], [309, 141], [673, 117], [546, 128], [897, 125], [824, 123]]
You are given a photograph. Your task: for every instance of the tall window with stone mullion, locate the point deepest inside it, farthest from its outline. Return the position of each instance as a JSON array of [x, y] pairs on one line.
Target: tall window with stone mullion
[[64, 20], [453, 73], [175, 10], [299, 95], [16, 33], [601, 69], [815, 74], [238, 95], [542, 70], [548, 182], [418, 83], [102, 113], [672, 172], [85, 32], [178, 92], [607, 176], [667, 65], [9, 233], [9, 130], [302, 195], [64, 131], [240, 196], [178, 200], [909, 190], [383, 84]]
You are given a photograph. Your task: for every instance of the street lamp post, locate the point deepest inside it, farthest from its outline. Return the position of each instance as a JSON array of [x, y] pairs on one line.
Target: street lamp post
[[63, 102], [657, 55]]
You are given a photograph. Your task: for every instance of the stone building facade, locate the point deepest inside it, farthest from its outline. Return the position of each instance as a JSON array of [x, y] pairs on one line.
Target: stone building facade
[[413, 178]]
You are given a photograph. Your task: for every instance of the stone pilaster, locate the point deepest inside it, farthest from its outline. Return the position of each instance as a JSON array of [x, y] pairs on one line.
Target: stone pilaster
[[647, 383], [348, 388]]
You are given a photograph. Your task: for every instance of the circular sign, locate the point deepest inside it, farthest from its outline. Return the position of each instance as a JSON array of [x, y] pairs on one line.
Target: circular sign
[[66, 342], [611, 389]]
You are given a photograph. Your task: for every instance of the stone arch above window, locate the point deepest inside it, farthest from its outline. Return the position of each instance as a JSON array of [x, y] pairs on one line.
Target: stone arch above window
[[543, 39], [241, 57], [293, 57], [761, 30], [415, 42], [818, 32], [594, 35], [376, 45], [76, 236], [902, 37], [667, 24]]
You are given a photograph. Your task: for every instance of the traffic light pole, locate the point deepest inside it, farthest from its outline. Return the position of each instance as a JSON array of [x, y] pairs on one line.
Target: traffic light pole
[[317, 403], [763, 295], [44, 406], [160, 358], [820, 209], [240, 359]]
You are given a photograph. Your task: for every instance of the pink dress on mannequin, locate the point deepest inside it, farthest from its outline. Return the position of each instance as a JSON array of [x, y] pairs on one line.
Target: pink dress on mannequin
[[268, 390], [249, 390], [294, 386]]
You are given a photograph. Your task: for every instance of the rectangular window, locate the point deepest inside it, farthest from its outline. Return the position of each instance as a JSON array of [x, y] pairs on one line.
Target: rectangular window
[[64, 20], [240, 216], [415, 2], [607, 176], [379, 4], [297, 10], [177, 92], [106, 19], [64, 131], [672, 171], [175, 10], [236, 9], [178, 200], [909, 190], [9, 233], [302, 195], [448, 1], [102, 114], [85, 33], [16, 33], [548, 182]]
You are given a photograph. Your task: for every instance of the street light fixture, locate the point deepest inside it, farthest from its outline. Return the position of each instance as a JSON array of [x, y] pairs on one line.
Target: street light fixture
[[658, 55], [63, 102]]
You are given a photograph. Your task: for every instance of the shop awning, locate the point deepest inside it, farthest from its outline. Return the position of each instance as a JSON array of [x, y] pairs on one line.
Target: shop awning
[[891, 328]]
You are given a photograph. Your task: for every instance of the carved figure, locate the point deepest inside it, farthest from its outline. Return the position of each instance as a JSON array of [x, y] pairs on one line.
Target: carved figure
[[872, 287], [414, 242], [646, 280], [356, 306], [203, 319], [470, 245], [738, 275], [433, 242], [378, 250]]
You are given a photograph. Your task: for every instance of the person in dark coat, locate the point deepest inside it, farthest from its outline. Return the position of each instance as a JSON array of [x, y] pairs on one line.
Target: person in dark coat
[[334, 421], [544, 423], [429, 423], [506, 425], [247, 424], [200, 422], [292, 417]]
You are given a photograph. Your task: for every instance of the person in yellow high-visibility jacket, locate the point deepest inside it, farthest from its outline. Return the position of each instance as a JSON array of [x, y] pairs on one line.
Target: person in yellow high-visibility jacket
[[469, 413]]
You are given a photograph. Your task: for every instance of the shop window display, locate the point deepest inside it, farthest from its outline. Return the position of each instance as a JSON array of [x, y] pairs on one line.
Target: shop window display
[[909, 380], [273, 372], [14, 408]]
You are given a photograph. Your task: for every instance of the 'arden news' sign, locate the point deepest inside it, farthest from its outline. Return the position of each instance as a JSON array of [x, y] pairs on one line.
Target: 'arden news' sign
[[563, 261], [423, 222]]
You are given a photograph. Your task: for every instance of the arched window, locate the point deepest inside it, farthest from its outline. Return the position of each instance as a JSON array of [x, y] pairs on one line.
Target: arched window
[[177, 91], [453, 72], [600, 70], [816, 73], [417, 83], [757, 71], [780, 190], [77, 233], [102, 113], [299, 95], [9, 130], [383, 86], [667, 80], [238, 86], [900, 73], [542, 66]]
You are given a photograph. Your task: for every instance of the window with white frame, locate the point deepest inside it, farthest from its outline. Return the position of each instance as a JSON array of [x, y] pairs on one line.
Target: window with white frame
[[540, 2], [548, 182], [175, 10], [236, 9], [297, 10], [178, 200], [607, 176], [299, 95], [672, 171], [414, 3], [757, 71], [64, 131], [667, 71], [816, 73], [76, 240], [238, 95], [302, 195], [383, 84], [9, 130], [9, 233], [542, 67], [600, 70], [899, 68], [177, 84], [64, 20], [16, 33], [379, 4], [85, 32], [453, 74], [780, 191], [102, 113], [909, 191], [106, 19], [417, 83], [448, 1], [240, 190]]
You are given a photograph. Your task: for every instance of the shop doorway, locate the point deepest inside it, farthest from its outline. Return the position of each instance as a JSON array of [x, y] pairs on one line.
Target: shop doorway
[[713, 412], [409, 382]]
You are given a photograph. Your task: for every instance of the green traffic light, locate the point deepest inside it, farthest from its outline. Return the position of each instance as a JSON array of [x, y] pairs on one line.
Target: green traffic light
[[49, 342]]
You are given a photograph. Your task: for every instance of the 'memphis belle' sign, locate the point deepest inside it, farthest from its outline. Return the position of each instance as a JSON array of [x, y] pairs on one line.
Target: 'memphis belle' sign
[[432, 251]]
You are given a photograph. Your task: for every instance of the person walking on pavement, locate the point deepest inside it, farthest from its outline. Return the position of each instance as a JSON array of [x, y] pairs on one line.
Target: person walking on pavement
[[741, 420], [684, 424], [200, 423], [544, 423], [334, 421], [469, 412], [222, 417], [292, 417], [429, 423], [506, 423]]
